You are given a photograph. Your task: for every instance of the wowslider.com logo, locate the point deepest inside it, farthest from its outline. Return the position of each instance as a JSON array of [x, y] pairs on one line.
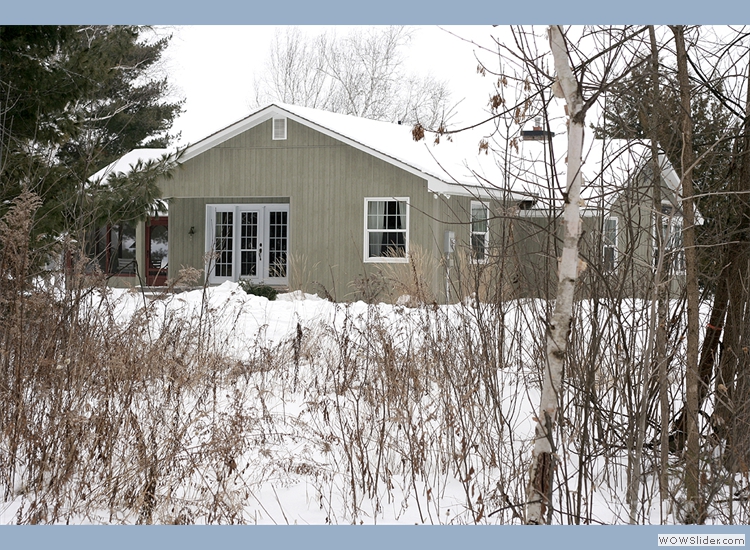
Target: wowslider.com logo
[[701, 540]]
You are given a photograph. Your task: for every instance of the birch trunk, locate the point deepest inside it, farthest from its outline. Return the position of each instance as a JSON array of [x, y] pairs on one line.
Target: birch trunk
[[541, 474]]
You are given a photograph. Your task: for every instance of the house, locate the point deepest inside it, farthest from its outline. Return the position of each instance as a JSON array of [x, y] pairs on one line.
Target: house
[[352, 208], [633, 235], [302, 198]]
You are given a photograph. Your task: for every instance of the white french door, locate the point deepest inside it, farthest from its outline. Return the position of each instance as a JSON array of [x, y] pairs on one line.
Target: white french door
[[248, 241]]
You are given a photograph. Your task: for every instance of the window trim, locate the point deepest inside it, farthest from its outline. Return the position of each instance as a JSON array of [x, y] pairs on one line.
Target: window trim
[[486, 232], [274, 135], [366, 235]]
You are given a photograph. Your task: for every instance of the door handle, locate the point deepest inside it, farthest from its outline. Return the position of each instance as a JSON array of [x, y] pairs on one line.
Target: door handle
[[260, 251]]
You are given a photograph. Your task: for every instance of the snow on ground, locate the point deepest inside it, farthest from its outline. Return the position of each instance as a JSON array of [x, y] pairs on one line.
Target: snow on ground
[[303, 411]]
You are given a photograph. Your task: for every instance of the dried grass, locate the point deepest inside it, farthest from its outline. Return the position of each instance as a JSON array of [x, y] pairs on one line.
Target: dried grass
[[158, 416]]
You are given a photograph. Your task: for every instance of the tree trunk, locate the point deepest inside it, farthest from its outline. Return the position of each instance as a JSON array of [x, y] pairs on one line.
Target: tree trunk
[[693, 508], [655, 356], [541, 475], [731, 394]]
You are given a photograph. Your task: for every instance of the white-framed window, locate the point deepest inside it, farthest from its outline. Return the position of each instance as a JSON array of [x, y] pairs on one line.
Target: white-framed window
[[609, 243], [279, 128], [480, 231], [675, 245], [248, 241], [386, 229], [671, 237]]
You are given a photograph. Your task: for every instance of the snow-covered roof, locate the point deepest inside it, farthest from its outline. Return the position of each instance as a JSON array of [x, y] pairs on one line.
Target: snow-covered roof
[[128, 161], [612, 164], [454, 166], [608, 168]]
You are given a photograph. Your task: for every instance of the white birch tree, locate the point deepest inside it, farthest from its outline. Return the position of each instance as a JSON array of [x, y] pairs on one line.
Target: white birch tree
[[541, 475]]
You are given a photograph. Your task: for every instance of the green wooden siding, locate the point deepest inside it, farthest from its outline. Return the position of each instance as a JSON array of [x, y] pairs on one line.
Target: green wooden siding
[[325, 182]]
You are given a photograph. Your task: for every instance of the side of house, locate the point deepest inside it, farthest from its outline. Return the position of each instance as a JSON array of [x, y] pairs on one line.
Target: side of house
[[638, 237]]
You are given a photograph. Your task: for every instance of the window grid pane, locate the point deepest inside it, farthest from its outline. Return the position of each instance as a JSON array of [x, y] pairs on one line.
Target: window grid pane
[[479, 219], [277, 244], [224, 243], [248, 244], [386, 228], [478, 245], [610, 231], [609, 244], [671, 240], [675, 248], [479, 231]]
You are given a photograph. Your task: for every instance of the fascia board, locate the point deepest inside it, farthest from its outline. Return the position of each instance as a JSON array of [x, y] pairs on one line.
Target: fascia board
[[669, 174]]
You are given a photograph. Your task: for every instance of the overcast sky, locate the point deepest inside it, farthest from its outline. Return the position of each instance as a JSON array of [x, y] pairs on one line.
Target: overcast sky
[[213, 68]]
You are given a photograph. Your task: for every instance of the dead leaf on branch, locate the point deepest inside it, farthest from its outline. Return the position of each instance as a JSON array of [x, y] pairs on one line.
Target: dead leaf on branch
[[417, 132]]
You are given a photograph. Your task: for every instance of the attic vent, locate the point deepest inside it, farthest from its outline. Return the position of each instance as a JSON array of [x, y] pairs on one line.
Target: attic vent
[[279, 128]]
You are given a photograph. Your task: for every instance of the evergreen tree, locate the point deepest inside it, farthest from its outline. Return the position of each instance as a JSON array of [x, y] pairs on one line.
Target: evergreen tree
[[72, 99], [629, 108]]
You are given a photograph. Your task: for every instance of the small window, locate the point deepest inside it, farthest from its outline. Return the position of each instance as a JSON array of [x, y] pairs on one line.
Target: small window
[[279, 128], [675, 246], [671, 237], [386, 229], [609, 244], [479, 231]]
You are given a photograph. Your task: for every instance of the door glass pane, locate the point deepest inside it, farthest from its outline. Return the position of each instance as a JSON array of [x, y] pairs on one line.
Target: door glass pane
[[159, 247], [224, 243], [123, 248], [249, 244], [277, 243]]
